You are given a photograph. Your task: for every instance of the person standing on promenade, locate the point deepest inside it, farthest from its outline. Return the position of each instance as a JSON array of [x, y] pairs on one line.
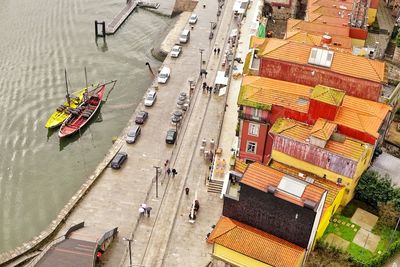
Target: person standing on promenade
[[215, 51], [218, 50], [174, 172], [148, 210], [187, 191], [205, 74], [168, 172]]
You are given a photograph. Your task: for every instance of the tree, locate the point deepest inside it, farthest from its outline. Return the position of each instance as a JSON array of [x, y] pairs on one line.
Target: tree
[[374, 188]]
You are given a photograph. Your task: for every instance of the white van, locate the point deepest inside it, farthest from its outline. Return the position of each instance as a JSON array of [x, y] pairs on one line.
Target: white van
[[185, 36], [164, 75]]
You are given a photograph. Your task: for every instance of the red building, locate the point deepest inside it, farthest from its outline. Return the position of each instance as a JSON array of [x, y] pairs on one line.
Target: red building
[[262, 101], [303, 64]]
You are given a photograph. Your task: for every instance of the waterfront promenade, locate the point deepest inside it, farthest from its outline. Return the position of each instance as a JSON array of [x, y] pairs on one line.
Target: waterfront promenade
[[115, 197]]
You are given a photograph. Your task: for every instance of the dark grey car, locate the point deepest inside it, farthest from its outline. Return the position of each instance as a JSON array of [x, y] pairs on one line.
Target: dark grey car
[[171, 136], [118, 160]]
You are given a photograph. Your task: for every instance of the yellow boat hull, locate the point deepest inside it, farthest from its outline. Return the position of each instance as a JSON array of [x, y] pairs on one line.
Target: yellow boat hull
[[58, 117]]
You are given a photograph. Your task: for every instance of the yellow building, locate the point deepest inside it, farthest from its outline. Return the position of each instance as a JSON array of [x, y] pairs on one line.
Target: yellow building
[[245, 246], [336, 157]]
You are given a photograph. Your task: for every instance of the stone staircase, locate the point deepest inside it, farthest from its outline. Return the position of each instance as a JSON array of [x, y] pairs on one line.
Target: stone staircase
[[215, 186]]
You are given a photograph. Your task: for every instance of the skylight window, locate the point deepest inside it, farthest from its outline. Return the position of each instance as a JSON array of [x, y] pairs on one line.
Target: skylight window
[[292, 186], [321, 57]]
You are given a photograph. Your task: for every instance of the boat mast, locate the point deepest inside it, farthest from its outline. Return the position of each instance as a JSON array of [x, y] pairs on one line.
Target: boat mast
[[86, 80], [66, 85]]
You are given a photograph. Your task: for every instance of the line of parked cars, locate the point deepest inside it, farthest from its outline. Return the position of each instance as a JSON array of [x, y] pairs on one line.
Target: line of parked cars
[[151, 97]]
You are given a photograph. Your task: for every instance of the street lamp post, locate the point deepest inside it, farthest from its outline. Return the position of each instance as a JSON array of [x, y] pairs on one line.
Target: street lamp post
[[201, 60], [157, 168], [130, 249]]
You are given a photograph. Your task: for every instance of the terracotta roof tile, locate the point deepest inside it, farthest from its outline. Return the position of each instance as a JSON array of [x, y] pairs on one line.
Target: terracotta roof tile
[[320, 28], [329, 11], [328, 20], [350, 148], [328, 95], [339, 43], [362, 115], [323, 129], [264, 92], [342, 63], [256, 244], [261, 177], [331, 187], [333, 3]]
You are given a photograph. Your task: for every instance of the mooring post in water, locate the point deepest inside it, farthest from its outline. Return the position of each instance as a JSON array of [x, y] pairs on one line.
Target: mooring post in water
[[148, 65], [104, 30], [96, 32]]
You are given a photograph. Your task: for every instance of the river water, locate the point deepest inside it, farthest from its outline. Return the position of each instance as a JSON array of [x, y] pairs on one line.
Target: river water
[[38, 39]]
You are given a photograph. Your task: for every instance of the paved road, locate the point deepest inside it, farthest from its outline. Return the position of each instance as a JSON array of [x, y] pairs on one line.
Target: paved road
[[115, 198]]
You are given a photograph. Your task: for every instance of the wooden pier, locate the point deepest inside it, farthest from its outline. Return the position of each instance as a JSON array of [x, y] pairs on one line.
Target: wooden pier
[[130, 6]]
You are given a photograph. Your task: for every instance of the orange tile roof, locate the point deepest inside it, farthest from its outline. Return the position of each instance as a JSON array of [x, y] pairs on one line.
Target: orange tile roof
[[240, 165], [342, 5], [329, 11], [323, 19], [350, 148], [342, 63], [261, 177], [316, 27], [362, 115], [332, 188], [268, 92], [339, 43], [256, 244], [323, 129]]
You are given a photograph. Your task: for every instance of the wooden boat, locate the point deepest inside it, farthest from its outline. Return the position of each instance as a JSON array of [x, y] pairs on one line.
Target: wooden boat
[[63, 111], [83, 113]]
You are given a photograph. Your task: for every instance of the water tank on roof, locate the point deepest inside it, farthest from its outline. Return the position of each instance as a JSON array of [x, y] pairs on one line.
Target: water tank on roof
[[326, 39]]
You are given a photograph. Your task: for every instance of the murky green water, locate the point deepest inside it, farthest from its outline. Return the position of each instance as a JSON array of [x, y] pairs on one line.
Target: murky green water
[[38, 39]]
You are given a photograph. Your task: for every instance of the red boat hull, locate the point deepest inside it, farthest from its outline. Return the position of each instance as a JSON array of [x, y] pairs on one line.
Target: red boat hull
[[89, 107]]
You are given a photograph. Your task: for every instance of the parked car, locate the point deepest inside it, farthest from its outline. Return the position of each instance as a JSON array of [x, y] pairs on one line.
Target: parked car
[[171, 136], [133, 134], [164, 75], [118, 160], [176, 51], [141, 117], [150, 98], [193, 19]]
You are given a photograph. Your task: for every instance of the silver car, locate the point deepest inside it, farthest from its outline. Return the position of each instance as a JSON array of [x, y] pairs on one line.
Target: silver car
[[133, 134], [150, 98]]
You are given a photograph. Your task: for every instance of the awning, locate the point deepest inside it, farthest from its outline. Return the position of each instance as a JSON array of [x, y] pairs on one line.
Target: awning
[[240, 6], [221, 79]]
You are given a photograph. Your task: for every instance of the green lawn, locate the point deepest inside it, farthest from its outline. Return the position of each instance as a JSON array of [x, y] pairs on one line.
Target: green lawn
[[343, 230], [341, 226]]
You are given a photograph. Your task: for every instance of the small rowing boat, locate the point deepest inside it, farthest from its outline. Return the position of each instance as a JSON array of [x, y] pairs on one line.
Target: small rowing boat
[[83, 113]]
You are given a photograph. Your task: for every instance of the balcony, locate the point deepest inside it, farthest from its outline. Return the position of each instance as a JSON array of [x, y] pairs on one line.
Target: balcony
[[252, 118]]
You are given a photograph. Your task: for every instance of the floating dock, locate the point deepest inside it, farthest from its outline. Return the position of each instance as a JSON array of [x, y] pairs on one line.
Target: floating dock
[[130, 6]]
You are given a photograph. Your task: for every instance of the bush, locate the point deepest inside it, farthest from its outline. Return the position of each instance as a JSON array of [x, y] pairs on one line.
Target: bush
[[326, 255], [388, 214], [374, 188]]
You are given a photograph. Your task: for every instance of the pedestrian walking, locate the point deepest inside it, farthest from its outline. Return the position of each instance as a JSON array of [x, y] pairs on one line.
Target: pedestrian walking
[[211, 89], [208, 89], [141, 211], [174, 172], [205, 74], [218, 50], [148, 210], [168, 171], [166, 163], [204, 87], [215, 51], [187, 191]]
